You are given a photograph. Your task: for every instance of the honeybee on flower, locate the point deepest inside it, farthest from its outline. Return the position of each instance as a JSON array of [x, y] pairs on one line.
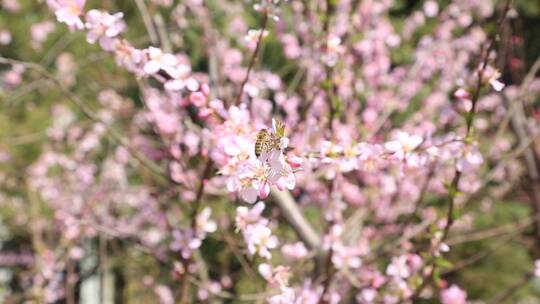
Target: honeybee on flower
[[268, 142]]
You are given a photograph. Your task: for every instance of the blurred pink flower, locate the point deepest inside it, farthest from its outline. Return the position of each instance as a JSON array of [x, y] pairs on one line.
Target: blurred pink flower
[[403, 145], [398, 267], [296, 251], [246, 217], [5, 37], [260, 240], [453, 295], [157, 60], [104, 27], [537, 268], [68, 12]]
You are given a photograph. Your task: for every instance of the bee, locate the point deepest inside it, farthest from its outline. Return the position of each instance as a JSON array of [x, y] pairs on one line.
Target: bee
[[269, 141]]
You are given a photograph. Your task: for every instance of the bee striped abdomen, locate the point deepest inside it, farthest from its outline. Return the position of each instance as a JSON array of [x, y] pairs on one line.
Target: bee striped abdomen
[[262, 142]]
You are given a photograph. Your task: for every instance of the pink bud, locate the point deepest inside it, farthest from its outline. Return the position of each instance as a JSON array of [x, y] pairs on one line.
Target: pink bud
[[205, 112], [462, 94], [294, 161], [205, 89], [197, 99], [264, 191], [183, 102]]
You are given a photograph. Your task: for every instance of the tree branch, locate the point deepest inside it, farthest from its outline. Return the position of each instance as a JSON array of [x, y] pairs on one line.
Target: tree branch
[[296, 219]]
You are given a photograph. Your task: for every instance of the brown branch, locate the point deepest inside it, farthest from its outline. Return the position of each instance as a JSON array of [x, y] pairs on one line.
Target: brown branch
[[492, 232], [147, 20], [296, 219], [253, 58], [205, 175]]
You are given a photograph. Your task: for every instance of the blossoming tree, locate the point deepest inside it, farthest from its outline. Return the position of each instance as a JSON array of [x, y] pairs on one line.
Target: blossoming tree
[[280, 151]]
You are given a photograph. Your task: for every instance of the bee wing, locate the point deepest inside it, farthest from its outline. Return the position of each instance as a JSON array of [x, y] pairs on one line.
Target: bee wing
[[279, 127]]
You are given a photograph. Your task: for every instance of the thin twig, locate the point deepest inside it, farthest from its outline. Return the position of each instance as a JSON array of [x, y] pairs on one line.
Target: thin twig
[[102, 266], [164, 40], [196, 205], [206, 174], [253, 58], [147, 20], [492, 232]]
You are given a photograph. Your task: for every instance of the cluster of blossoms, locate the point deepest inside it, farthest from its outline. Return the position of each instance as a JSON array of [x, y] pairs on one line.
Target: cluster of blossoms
[[406, 150], [259, 239], [188, 240], [105, 28], [254, 228], [245, 173], [371, 144]]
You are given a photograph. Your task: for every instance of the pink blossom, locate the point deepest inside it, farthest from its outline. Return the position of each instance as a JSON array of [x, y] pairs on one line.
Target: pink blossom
[[40, 31], [184, 242], [333, 50], [367, 296], [256, 181], [68, 12], [462, 94], [404, 144], [277, 276], [157, 60], [252, 37], [128, 56], [333, 238], [256, 233], [537, 268], [181, 79], [398, 267], [204, 223], [282, 174], [286, 296], [165, 3], [104, 27], [294, 161], [296, 251], [198, 99], [5, 37], [431, 8], [204, 292], [491, 76], [12, 6], [76, 253], [291, 48], [369, 156], [346, 257], [246, 217], [469, 158], [453, 295], [260, 240], [164, 294], [13, 77]]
